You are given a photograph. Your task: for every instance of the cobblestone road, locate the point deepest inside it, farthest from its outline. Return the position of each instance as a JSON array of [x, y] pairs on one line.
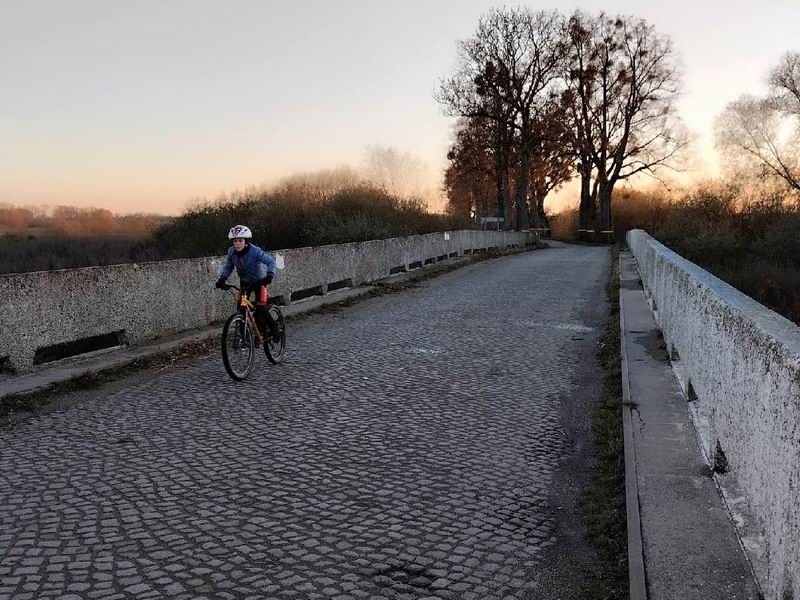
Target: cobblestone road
[[405, 449]]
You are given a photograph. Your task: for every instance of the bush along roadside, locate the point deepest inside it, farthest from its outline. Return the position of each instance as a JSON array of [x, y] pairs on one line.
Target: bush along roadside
[[603, 501]]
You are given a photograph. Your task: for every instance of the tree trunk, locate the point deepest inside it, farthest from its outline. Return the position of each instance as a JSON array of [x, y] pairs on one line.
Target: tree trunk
[[606, 221], [542, 222], [501, 173], [523, 181], [587, 210], [502, 188], [538, 218]]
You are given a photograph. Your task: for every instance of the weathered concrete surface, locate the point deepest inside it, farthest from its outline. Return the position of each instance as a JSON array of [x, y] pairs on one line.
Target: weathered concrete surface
[[743, 364], [418, 445], [689, 543], [153, 299]]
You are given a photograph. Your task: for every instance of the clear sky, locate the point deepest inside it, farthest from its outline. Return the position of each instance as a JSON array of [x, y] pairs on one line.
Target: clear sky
[[147, 105]]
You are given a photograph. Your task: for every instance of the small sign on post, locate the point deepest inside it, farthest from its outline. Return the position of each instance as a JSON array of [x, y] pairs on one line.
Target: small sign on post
[[497, 220]]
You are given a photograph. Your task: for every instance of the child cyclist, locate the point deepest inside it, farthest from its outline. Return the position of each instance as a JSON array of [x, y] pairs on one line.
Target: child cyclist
[[250, 263]]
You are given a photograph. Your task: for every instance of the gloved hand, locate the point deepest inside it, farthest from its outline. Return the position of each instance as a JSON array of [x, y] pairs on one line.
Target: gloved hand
[[268, 279], [221, 284]]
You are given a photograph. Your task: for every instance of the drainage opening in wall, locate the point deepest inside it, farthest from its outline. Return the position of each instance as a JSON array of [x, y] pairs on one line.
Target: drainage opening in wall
[[417, 264], [341, 284], [6, 366], [306, 293], [55, 352], [398, 269], [430, 261], [442, 257]]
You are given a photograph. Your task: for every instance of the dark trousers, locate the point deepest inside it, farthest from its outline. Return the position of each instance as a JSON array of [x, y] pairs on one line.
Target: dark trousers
[[262, 315]]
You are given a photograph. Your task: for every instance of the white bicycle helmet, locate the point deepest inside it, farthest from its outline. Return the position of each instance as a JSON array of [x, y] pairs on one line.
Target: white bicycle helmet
[[239, 231]]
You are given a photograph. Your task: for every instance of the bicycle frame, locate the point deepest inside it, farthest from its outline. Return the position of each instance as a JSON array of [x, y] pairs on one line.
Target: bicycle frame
[[248, 307]]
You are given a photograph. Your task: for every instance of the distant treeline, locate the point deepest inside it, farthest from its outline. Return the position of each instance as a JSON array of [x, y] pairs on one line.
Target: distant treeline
[[750, 240], [42, 239], [300, 212], [70, 221]]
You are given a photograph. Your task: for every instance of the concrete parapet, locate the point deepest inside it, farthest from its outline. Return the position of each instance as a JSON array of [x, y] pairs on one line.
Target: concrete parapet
[[742, 367], [135, 302]]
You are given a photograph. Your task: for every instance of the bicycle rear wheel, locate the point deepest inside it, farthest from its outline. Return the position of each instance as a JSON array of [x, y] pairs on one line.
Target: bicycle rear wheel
[[238, 347], [276, 349]]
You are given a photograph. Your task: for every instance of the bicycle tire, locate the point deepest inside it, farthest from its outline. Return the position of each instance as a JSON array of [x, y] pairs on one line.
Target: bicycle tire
[[275, 352], [238, 334]]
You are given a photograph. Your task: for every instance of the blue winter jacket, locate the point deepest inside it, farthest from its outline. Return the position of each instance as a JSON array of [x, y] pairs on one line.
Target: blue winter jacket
[[252, 264]]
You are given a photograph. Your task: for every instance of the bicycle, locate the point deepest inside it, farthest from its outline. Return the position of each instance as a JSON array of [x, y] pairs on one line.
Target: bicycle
[[241, 336]]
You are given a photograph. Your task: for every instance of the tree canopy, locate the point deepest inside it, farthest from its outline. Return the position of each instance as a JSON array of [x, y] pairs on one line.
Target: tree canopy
[[543, 98]]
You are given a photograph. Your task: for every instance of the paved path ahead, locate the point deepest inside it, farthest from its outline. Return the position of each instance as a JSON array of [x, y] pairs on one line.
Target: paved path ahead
[[409, 447]]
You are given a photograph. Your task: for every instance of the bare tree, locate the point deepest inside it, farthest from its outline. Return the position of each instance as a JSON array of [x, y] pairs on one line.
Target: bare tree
[[399, 173], [623, 84], [506, 73], [763, 133], [552, 160], [469, 178], [476, 92], [785, 82]]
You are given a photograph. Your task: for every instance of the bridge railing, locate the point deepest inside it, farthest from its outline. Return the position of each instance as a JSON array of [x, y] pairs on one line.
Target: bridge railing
[[48, 315], [742, 365]]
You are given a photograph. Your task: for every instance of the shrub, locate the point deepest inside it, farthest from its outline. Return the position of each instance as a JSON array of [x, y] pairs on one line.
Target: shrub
[[751, 243], [301, 215]]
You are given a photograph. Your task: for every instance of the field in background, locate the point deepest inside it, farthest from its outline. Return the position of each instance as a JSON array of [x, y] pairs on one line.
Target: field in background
[[38, 239]]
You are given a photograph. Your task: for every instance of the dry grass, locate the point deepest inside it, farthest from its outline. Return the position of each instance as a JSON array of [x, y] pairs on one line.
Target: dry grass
[[564, 225], [749, 240], [295, 216], [754, 246]]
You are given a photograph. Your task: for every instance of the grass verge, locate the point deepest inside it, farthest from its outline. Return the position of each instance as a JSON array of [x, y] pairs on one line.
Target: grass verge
[[603, 501]]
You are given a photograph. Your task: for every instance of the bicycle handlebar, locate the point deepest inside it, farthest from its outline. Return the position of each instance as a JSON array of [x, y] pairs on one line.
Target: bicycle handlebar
[[229, 286]]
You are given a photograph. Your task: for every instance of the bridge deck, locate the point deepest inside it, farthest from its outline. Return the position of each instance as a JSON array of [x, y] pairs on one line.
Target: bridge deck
[[424, 444]]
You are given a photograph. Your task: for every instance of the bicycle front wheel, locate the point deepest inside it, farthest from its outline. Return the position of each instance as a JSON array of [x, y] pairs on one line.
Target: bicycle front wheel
[[238, 347], [275, 349]]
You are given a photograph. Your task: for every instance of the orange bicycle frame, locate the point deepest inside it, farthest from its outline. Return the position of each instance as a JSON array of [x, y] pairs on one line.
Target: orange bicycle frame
[[249, 307]]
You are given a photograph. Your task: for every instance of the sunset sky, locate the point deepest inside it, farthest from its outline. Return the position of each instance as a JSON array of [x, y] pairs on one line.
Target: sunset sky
[[149, 105]]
